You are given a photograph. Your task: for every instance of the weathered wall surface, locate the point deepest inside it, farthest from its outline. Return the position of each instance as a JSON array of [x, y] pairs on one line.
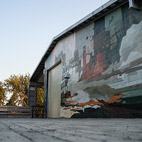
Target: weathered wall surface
[[104, 64]]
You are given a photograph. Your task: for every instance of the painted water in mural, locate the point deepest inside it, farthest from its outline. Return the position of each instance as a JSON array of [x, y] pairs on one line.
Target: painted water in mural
[[102, 67]]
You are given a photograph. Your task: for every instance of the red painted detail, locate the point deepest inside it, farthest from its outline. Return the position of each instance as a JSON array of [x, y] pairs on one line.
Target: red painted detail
[[90, 69]]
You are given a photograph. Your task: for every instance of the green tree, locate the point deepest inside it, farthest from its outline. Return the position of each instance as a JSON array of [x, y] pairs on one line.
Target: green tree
[[40, 93], [2, 94], [17, 86], [39, 102]]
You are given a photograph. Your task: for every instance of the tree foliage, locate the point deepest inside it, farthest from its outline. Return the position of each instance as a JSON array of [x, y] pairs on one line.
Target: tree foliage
[[2, 94], [39, 102], [40, 93], [17, 86]]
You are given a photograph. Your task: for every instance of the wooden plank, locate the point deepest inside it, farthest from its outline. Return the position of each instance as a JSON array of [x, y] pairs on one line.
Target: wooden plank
[[15, 112], [15, 115], [15, 109]]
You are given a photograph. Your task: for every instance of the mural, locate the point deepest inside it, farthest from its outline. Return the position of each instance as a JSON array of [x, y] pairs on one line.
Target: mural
[[55, 55], [85, 104], [102, 68]]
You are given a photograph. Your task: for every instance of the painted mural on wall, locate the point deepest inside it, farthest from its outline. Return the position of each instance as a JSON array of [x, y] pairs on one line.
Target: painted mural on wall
[[102, 68], [55, 56]]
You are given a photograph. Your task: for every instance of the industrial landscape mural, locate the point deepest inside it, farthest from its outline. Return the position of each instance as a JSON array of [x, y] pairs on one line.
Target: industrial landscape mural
[[102, 67]]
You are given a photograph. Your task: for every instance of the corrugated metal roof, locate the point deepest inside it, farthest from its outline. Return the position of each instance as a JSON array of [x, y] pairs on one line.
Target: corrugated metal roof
[[95, 15]]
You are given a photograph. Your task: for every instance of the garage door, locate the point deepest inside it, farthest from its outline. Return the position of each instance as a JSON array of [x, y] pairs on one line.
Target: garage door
[[54, 91]]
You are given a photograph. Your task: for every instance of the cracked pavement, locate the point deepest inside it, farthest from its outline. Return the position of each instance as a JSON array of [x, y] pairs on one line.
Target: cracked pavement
[[70, 130]]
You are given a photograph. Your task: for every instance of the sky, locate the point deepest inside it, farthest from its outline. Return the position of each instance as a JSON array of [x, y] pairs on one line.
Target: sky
[[27, 28]]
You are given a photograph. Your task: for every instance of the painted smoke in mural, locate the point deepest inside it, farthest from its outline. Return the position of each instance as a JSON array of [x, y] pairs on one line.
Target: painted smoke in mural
[[103, 65]]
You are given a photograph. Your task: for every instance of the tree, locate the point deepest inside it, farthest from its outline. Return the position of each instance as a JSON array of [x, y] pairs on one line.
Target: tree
[[2, 94], [39, 102], [17, 86], [40, 93]]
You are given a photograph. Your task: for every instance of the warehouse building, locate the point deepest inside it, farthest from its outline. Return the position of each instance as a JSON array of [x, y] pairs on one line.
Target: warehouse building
[[93, 69]]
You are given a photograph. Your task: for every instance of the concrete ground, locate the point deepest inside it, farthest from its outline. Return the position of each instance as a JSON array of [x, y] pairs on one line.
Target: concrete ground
[[70, 130]]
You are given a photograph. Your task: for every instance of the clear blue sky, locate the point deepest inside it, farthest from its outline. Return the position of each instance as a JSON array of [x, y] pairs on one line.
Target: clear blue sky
[[28, 26]]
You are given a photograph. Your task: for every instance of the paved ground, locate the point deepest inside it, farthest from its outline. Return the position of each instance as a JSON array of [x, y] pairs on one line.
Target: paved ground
[[70, 130]]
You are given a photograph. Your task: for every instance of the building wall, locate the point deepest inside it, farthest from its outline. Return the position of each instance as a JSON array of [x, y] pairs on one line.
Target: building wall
[[102, 67]]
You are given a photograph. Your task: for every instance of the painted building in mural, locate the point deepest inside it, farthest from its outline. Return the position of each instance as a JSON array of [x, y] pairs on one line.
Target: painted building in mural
[[94, 69]]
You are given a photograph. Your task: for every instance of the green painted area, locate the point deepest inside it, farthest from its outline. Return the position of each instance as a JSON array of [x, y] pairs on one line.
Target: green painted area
[[48, 62], [132, 100], [129, 90]]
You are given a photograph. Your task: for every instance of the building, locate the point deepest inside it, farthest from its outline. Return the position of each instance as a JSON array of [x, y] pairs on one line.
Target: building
[[94, 68]]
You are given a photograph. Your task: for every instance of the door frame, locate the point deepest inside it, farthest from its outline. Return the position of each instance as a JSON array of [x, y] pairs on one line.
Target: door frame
[[47, 91]]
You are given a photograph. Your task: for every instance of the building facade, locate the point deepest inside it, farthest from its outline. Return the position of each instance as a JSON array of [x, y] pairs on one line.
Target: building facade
[[94, 68]]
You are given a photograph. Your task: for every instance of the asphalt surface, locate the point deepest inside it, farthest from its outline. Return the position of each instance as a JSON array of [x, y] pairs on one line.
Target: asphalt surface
[[70, 130]]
